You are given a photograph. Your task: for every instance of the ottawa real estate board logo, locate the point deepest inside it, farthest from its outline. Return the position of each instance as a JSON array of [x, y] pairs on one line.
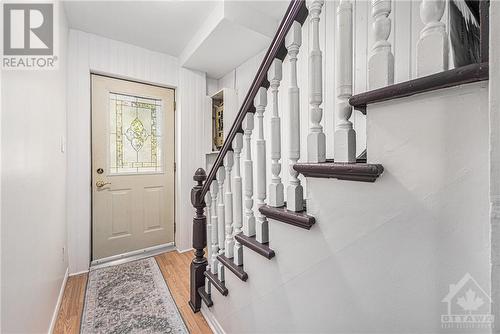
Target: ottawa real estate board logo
[[28, 36], [467, 306]]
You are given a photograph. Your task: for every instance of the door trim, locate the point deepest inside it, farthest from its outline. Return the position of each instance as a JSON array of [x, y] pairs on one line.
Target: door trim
[[132, 256], [150, 250]]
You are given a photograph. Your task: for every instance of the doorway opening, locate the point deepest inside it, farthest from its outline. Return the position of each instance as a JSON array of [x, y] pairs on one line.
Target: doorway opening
[[133, 169]]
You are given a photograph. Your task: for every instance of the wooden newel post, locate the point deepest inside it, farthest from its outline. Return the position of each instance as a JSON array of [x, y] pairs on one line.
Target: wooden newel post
[[199, 263]]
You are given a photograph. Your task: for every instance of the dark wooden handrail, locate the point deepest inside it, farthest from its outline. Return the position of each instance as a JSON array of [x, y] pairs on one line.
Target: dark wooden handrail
[[296, 11]]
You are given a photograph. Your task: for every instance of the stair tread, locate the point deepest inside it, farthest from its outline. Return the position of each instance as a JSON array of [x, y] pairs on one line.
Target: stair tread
[[445, 79], [300, 219], [253, 244], [343, 171], [235, 269], [205, 296], [214, 279]]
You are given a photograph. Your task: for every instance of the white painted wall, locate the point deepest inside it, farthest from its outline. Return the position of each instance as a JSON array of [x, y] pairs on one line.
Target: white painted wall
[[33, 207], [90, 53], [386, 264], [190, 149], [1, 216], [495, 158]]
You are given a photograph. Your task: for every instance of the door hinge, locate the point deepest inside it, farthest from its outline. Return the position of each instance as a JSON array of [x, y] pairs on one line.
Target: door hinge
[[175, 167], [175, 105]]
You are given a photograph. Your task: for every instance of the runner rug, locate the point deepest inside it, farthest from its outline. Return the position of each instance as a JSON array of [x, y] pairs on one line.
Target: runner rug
[[130, 298]]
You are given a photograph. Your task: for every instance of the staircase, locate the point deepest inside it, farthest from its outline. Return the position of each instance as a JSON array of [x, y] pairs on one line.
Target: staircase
[[238, 213]]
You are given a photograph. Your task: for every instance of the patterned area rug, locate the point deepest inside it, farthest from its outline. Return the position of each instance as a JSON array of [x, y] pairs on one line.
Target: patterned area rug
[[130, 298]]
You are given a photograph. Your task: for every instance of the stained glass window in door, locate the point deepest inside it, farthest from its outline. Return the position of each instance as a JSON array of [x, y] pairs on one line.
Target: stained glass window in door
[[135, 131]]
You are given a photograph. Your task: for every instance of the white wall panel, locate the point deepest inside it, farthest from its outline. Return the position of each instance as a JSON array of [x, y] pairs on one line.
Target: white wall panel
[[33, 232], [494, 134], [91, 53], [190, 149]]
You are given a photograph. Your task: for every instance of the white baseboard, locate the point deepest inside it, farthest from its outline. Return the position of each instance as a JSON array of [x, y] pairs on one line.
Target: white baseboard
[[211, 320], [59, 300], [184, 250], [79, 273]]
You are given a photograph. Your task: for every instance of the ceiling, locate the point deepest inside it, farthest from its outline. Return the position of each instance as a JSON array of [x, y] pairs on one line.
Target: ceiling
[[163, 26], [210, 36]]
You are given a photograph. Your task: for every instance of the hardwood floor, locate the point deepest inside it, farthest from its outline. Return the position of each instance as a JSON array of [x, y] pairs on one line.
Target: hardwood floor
[[175, 269], [70, 313]]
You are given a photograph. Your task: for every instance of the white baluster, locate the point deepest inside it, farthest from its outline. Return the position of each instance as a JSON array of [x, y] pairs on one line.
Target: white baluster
[[345, 136], [249, 219], [215, 228], [381, 62], [316, 140], [432, 47], [276, 189], [208, 201], [221, 175], [237, 208], [262, 225], [229, 245], [295, 195]]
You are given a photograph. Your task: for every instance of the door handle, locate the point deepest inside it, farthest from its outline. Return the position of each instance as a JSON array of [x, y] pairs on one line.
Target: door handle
[[100, 184]]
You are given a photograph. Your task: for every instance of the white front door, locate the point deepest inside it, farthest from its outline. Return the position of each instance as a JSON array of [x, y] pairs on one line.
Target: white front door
[[132, 166]]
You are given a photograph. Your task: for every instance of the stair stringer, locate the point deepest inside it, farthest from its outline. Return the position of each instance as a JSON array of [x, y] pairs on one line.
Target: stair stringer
[[381, 255]]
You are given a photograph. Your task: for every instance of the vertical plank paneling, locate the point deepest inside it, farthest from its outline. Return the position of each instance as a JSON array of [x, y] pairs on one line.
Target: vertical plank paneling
[[401, 39], [328, 25]]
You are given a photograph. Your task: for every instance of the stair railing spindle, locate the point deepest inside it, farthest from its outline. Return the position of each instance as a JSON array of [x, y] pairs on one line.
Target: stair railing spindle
[[237, 200], [221, 176], [345, 136], [262, 225], [293, 41], [215, 236], [432, 47], [228, 197], [381, 62], [249, 219], [316, 140], [276, 188], [208, 201]]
